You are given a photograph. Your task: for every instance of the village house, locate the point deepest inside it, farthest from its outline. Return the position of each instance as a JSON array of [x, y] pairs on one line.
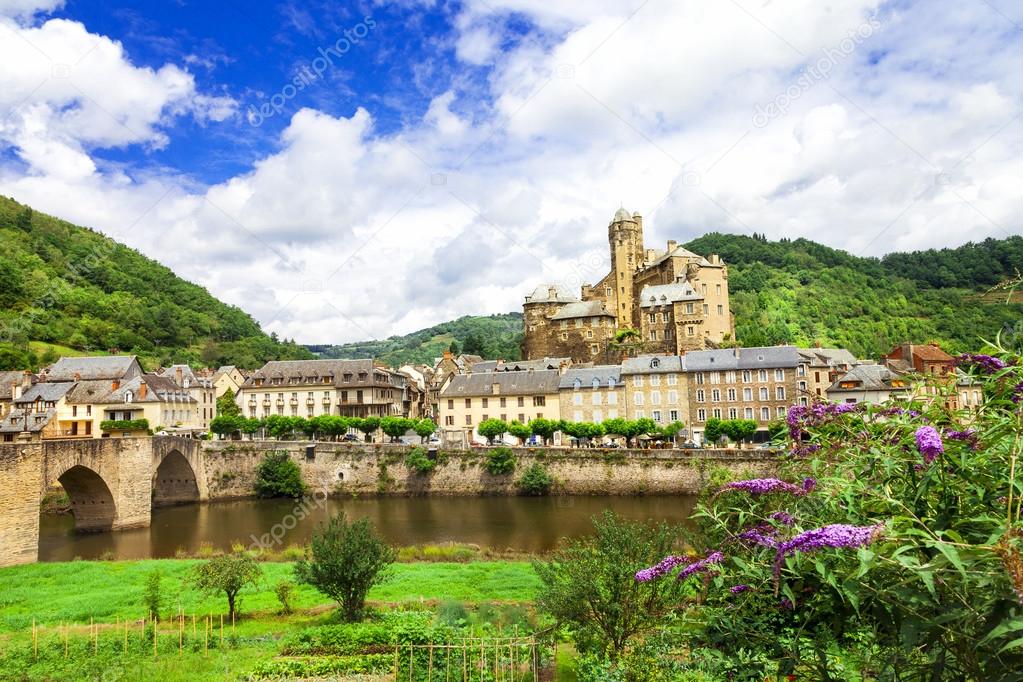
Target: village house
[[934, 368], [309, 388], [742, 383], [468, 399], [868, 383], [200, 387], [227, 377], [821, 368], [655, 388], [592, 394]]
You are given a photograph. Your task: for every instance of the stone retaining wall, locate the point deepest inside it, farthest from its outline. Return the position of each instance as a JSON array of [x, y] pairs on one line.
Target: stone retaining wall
[[369, 469]]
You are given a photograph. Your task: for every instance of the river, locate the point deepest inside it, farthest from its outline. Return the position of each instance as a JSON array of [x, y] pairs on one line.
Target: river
[[527, 524]]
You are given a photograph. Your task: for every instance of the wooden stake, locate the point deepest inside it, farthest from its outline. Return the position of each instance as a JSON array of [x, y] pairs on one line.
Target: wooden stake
[[206, 637], [395, 663], [154, 636], [411, 658], [35, 641], [181, 630], [465, 662], [429, 669]]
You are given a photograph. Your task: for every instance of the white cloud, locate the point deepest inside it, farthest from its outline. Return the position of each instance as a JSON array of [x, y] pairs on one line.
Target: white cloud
[[25, 9], [345, 232]]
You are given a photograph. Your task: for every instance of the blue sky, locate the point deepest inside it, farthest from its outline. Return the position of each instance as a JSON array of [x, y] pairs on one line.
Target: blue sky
[[457, 154]]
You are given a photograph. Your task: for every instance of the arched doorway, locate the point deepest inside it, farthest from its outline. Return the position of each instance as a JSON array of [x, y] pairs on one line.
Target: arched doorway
[[91, 501], [174, 482]]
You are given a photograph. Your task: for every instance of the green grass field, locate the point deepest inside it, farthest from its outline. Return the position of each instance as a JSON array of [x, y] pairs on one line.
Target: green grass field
[[107, 590]]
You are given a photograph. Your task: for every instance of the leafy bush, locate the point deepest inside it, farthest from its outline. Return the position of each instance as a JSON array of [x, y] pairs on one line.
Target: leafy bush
[[229, 574], [347, 560], [124, 425], [417, 460], [151, 597], [279, 476], [500, 461], [590, 585], [535, 480], [333, 667], [492, 429], [284, 590]]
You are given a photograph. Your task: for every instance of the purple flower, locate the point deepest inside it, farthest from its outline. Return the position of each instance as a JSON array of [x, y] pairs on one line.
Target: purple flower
[[986, 363], [762, 486], [701, 565], [809, 484], [761, 534], [784, 518], [739, 589], [1017, 393], [664, 568], [786, 604], [928, 442], [835, 536]]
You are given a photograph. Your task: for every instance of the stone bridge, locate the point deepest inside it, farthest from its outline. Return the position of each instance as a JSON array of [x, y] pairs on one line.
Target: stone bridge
[[113, 483]]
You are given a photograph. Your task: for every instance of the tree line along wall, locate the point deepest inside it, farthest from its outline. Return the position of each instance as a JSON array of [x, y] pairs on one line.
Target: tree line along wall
[[366, 469]]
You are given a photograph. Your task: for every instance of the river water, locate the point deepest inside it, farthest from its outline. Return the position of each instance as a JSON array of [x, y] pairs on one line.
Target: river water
[[528, 524]]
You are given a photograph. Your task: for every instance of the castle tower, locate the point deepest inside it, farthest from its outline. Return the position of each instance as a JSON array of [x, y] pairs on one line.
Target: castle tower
[[625, 236]]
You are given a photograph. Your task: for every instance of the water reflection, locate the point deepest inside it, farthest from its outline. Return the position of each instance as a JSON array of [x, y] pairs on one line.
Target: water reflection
[[518, 523]]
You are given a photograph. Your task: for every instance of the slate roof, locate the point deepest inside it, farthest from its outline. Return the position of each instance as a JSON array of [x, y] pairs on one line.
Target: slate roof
[[112, 367], [187, 373], [519, 365], [45, 391], [582, 309], [653, 364], [766, 357], [665, 294], [6, 379], [585, 375], [680, 252], [542, 294], [871, 378], [316, 371], [828, 357], [541, 382], [16, 420]]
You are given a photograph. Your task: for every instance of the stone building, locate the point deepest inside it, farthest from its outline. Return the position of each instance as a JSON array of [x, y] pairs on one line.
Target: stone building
[[934, 369], [202, 389], [468, 399], [741, 383], [592, 394], [227, 377], [675, 300], [868, 383], [655, 388], [310, 388], [821, 368]]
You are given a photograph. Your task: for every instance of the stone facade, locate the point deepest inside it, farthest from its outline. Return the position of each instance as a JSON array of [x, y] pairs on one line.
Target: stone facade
[[592, 394], [675, 300], [656, 388]]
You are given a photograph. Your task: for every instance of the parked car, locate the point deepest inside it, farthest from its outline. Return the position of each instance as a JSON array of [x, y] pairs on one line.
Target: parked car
[[350, 438], [689, 446]]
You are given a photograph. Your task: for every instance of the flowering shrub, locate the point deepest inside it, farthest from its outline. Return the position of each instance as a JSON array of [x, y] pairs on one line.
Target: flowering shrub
[[903, 560]]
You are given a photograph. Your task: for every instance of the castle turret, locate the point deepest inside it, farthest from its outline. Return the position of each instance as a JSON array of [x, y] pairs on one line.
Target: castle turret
[[625, 236]]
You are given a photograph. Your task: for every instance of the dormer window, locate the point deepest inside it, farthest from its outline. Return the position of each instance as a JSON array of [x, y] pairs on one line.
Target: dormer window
[[655, 363], [578, 384], [128, 396]]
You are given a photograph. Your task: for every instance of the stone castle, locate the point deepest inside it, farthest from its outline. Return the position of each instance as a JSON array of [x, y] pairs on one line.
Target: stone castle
[[671, 302]]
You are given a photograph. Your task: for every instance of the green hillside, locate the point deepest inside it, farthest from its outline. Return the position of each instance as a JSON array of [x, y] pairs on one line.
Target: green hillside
[[66, 289], [802, 292], [494, 337]]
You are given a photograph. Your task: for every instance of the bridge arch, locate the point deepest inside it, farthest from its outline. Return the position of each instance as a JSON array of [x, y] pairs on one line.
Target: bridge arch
[[92, 503], [174, 481]]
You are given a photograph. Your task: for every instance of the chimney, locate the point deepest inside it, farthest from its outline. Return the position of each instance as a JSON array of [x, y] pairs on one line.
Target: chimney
[[15, 390], [177, 375], [563, 367], [115, 384], [447, 354], [143, 390], [736, 352], [78, 377], [672, 245], [714, 259], [495, 388], [552, 292], [26, 379]]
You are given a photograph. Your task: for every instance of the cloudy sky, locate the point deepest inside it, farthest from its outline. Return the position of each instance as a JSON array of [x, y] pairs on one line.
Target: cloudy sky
[[346, 171]]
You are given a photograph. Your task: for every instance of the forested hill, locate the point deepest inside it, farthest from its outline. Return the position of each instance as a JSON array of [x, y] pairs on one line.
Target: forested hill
[[493, 337], [66, 289], [802, 292]]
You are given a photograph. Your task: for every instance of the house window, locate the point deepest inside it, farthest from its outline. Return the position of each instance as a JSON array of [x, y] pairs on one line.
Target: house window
[[637, 381], [748, 413], [594, 349], [781, 413], [762, 375], [779, 375], [612, 398], [539, 401], [657, 415], [715, 395], [655, 398], [730, 377], [717, 413], [673, 415], [486, 402], [449, 420], [451, 403], [765, 414], [504, 402], [655, 380], [715, 377], [701, 396], [699, 378], [701, 415], [468, 420], [637, 398], [597, 399], [731, 395], [733, 413], [577, 399], [763, 393], [747, 393], [522, 401], [672, 397], [653, 334], [779, 393], [721, 309], [468, 402], [747, 376]]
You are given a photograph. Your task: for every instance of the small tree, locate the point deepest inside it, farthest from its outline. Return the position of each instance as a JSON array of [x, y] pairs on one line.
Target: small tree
[[369, 426], [425, 428], [520, 431], [492, 428], [226, 406], [279, 476], [545, 428], [535, 480], [590, 586], [500, 461], [226, 424], [347, 559], [152, 597], [395, 427], [284, 591], [228, 574], [714, 429]]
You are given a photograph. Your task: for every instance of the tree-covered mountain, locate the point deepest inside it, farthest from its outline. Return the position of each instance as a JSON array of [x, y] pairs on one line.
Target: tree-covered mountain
[[68, 289], [798, 291], [493, 337]]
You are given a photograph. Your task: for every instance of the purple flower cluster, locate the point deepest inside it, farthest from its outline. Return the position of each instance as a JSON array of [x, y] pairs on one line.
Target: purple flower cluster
[[739, 589], [701, 565], [784, 518], [1017, 393], [928, 442], [968, 436], [664, 568], [986, 363], [801, 416], [761, 534], [762, 486], [835, 536], [898, 411]]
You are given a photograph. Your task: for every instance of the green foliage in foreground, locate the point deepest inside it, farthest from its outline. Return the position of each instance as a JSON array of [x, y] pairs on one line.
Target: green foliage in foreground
[[346, 560], [68, 285], [124, 425]]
